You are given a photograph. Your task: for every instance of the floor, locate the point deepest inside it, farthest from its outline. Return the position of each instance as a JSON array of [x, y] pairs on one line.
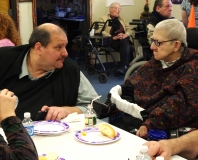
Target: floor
[[102, 88]]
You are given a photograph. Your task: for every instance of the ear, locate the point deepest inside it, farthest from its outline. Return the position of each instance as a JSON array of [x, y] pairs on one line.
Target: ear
[[158, 8], [38, 47], [177, 45]]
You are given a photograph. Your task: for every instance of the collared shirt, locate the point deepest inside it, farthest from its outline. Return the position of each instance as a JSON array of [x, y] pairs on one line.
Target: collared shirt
[[86, 92]]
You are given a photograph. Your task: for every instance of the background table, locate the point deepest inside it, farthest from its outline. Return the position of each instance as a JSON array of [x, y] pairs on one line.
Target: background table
[[68, 147]]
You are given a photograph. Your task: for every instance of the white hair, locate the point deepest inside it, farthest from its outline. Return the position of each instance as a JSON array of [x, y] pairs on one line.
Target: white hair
[[174, 30]]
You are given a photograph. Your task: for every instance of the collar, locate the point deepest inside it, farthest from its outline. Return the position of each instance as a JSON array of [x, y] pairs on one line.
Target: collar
[[168, 64], [24, 70], [157, 14]]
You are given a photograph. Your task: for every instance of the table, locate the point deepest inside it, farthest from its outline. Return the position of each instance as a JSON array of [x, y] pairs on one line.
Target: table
[[68, 147]]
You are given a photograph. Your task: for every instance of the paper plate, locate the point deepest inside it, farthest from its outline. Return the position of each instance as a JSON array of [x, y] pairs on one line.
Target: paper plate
[[50, 127], [93, 136]]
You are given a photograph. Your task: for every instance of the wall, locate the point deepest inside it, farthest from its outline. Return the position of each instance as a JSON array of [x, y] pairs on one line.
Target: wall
[[4, 6], [98, 9], [25, 21]]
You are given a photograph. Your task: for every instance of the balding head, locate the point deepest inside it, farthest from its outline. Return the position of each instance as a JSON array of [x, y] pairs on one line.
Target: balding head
[[43, 34]]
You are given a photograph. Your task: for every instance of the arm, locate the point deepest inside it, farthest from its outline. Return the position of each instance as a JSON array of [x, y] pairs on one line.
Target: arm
[[86, 93], [20, 143], [123, 105], [185, 146], [107, 29], [184, 18]]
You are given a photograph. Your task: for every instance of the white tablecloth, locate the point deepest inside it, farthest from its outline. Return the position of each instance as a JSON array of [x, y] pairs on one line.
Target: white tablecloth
[[68, 147]]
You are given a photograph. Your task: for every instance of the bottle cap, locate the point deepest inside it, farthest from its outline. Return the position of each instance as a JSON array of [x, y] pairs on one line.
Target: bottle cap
[[144, 149], [159, 158], [155, 134], [27, 114]]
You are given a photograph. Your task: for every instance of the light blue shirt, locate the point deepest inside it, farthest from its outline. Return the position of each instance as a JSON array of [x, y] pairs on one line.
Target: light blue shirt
[[86, 92]]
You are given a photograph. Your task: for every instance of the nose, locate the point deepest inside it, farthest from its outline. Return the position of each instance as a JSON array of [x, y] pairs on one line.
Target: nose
[[65, 53], [153, 46]]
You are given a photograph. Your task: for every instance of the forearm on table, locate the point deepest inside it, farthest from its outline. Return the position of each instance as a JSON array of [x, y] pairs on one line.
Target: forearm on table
[[20, 143], [185, 146]]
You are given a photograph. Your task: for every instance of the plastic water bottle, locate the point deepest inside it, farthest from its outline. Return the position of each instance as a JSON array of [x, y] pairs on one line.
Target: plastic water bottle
[[90, 115], [143, 155], [28, 124]]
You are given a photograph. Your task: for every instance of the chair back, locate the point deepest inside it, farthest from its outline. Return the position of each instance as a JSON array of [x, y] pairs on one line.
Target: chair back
[[192, 37]]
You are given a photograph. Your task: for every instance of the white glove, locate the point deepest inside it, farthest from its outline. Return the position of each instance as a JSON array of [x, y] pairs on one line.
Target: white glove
[[123, 105]]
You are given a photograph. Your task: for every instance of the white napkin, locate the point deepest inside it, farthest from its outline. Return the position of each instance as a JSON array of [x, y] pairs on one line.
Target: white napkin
[[73, 117]]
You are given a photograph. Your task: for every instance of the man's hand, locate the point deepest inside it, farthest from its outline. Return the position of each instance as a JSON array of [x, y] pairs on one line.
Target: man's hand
[[57, 113], [142, 132], [7, 104], [159, 148]]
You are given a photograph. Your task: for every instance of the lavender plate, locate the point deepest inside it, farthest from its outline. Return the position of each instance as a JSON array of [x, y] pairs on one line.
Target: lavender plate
[[93, 136], [50, 127]]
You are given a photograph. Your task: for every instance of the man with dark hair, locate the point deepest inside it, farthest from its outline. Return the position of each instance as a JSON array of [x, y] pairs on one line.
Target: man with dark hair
[[120, 31], [43, 76], [162, 10]]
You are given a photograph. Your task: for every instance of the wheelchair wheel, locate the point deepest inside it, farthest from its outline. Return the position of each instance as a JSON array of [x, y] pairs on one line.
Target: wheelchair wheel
[[102, 78], [91, 70]]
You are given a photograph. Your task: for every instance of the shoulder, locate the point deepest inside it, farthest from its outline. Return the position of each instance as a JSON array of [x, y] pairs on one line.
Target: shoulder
[[105, 17], [6, 42]]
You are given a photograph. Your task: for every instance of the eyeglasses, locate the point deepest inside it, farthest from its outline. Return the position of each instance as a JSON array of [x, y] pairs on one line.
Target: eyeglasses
[[118, 9], [157, 43]]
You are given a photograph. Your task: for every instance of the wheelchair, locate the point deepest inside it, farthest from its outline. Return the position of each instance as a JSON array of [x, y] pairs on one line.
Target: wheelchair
[[97, 45], [108, 109]]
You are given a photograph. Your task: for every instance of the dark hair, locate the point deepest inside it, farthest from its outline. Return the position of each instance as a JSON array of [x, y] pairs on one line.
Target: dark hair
[[194, 2], [39, 35], [157, 3]]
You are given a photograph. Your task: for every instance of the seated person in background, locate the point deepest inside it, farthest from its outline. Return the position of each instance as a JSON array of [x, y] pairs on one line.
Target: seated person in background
[[162, 10], [185, 146], [20, 144], [166, 86], [43, 76], [186, 7], [120, 32], [9, 35]]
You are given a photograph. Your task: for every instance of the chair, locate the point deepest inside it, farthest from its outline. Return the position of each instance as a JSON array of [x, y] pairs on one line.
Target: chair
[[141, 36], [98, 45]]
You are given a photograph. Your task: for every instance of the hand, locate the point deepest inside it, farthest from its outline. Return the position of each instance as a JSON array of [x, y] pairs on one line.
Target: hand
[[159, 148], [55, 113], [7, 104], [142, 132]]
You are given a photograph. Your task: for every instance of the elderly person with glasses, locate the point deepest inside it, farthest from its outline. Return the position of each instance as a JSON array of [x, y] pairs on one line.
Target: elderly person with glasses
[[166, 87], [120, 31]]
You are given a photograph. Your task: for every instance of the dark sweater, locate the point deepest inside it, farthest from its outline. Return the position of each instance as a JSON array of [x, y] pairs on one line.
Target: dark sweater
[[155, 18], [60, 89], [170, 94], [20, 146]]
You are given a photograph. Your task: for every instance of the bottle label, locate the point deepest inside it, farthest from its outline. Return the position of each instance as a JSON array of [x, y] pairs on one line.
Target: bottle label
[[30, 130], [90, 121]]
